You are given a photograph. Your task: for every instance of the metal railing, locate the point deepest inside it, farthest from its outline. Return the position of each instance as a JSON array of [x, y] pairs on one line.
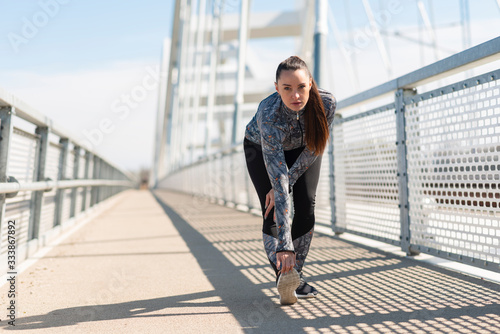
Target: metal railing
[[419, 169], [47, 179]]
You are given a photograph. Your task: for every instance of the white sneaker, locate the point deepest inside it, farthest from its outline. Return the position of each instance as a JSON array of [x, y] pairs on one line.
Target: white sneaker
[[287, 283]]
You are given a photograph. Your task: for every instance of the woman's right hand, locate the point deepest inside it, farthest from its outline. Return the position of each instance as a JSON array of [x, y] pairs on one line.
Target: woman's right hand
[[285, 261], [269, 203]]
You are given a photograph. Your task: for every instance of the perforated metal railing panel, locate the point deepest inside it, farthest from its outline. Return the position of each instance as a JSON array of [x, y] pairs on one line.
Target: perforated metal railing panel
[[21, 165], [81, 166], [226, 178], [51, 171], [218, 177], [195, 178], [453, 151], [239, 171], [366, 185]]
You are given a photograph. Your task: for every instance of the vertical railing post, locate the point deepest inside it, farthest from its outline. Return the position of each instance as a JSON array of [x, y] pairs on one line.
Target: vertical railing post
[[240, 74], [112, 176], [165, 159], [223, 178], [183, 86], [95, 176], [402, 173], [109, 176], [212, 77], [198, 67], [100, 168], [104, 171], [106, 176], [233, 177], [117, 176], [6, 129], [331, 163], [63, 160], [209, 187], [74, 191], [320, 41], [88, 157], [37, 196]]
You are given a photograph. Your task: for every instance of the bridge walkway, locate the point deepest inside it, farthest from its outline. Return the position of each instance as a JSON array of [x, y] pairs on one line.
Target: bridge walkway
[[163, 262]]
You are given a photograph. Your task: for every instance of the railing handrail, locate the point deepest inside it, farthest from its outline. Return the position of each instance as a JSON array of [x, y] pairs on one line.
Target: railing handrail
[[31, 115], [222, 152], [14, 187], [480, 54]]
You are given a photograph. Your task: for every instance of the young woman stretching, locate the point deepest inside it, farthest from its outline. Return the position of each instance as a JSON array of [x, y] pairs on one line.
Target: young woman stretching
[[283, 146]]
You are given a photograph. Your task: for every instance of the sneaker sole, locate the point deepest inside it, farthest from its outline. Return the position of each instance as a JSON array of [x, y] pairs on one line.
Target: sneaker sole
[[287, 284]]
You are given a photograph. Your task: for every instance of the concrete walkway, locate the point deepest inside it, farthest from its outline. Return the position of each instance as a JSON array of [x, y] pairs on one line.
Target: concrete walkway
[[171, 263]]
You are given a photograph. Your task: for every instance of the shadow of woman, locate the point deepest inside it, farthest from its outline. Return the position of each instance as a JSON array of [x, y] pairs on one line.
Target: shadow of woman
[[141, 308]]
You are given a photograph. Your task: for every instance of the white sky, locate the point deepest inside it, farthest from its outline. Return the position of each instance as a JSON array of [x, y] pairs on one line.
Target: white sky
[[82, 59]]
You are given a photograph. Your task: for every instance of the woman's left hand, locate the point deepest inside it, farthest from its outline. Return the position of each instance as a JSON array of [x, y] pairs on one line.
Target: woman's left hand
[[269, 203]]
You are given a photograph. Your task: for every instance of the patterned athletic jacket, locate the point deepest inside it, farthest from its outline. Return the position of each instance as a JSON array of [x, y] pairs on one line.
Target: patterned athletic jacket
[[277, 129]]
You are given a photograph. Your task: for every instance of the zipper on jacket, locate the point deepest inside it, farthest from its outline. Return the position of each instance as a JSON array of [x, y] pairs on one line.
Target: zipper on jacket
[[301, 132]]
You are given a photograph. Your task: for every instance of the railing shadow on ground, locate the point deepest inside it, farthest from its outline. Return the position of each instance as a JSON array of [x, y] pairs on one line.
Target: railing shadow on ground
[[362, 289]]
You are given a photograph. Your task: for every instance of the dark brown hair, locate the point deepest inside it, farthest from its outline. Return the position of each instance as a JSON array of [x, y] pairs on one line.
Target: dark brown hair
[[314, 117]]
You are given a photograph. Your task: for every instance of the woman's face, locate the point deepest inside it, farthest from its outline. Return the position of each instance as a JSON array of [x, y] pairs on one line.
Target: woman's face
[[294, 87]]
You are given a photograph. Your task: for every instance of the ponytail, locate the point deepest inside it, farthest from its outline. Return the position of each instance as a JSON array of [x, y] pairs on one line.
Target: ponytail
[[315, 122]]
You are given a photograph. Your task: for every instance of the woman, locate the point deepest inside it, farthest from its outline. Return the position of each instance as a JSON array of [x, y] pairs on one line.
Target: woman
[[283, 146]]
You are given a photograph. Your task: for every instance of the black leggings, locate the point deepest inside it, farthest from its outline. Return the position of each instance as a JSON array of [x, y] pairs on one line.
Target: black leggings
[[304, 190]]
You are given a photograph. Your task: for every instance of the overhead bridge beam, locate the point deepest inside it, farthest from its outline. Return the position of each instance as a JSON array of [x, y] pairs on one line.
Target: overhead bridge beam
[[264, 25], [229, 99]]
